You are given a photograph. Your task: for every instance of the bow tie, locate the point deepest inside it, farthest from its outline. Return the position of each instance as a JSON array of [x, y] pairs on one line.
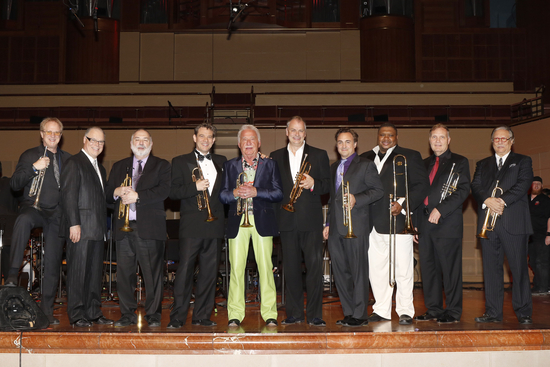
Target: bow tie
[[201, 157]]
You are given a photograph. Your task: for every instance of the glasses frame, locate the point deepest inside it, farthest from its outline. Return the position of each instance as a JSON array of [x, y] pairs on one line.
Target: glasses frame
[[55, 133], [500, 140], [94, 142]]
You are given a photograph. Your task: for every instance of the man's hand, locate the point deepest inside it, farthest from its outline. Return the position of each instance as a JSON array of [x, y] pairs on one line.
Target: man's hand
[[246, 191], [307, 182], [434, 216], [495, 204], [395, 208], [130, 197], [202, 184], [351, 201], [122, 190], [547, 241], [325, 233], [41, 163], [74, 233]]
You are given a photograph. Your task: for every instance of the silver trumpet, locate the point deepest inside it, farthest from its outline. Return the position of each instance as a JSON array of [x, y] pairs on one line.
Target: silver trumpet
[[37, 182], [242, 203], [450, 186]]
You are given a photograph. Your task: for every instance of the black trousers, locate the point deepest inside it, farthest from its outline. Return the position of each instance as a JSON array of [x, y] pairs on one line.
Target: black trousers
[[310, 244], [84, 271], [539, 261], [28, 219], [208, 250], [149, 254]]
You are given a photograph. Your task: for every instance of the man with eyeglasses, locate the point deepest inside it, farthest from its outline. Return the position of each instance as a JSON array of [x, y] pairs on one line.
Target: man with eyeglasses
[[513, 173], [84, 223], [143, 245], [40, 166]]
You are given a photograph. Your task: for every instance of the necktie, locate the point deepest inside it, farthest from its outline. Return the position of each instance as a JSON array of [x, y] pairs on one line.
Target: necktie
[[135, 182], [98, 173], [432, 175], [201, 157], [56, 168], [340, 173], [499, 163]]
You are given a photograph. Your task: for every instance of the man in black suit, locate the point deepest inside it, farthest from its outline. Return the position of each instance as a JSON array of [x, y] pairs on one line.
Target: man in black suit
[[84, 222], [383, 155], [49, 159], [144, 244], [199, 236], [255, 196], [513, 173], [350, 255], [440, 226], [539, 241]]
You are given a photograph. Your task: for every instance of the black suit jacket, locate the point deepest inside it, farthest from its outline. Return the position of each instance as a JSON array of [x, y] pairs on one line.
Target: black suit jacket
[[153, 188], [83, 199], [418, 187], [193, 222], [515, 179], [269, 187], [365, 185], [451, 222], [308, 215]]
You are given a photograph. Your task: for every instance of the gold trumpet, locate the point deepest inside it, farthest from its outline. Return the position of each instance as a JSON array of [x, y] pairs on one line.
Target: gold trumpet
[[296, 189], [242, 204], [124, 209], [490, 214], [37, 182], [450, 186], [202, 198], [347, 210]]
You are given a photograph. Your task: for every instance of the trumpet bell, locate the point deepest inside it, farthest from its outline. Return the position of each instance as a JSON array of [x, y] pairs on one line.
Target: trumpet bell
[[289, 207], [126, 228], [482, 234]]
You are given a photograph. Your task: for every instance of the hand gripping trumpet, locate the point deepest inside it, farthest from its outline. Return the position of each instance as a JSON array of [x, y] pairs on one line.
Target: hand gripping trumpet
[[347, 210], [37, 182], [450, 186], [296, 189], [242, 204], [202, 198], [490, 214], [124, 209]]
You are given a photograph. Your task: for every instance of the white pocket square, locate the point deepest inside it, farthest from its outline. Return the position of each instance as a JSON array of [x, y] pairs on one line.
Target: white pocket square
[[512, 165]]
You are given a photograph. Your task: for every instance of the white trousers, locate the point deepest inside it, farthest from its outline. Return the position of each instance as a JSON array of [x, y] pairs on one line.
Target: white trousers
[[379, 274]]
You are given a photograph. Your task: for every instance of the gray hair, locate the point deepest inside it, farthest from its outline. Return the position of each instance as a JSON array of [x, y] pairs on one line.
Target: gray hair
[[248, 127], [503, 127], [297, 118], [92, 128], [148, 133]]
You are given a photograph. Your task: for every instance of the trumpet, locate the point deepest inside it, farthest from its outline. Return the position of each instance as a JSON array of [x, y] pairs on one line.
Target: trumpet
[[296, 189], [124, 209], [202, 198], [37, 182], [242, 204], [409, 229], [490, 214], [346, 208], [450, 186]]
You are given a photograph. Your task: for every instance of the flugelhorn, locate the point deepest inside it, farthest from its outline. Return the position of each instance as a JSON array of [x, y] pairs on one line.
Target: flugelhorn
[[296, 189], [37, 182], [124, 209], [347, 210], [490, 214], [450, 186], [242, 204], [202, 197], [409, 229]]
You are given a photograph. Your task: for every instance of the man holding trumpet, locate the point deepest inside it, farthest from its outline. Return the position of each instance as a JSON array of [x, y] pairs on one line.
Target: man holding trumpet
[[201, 226], [504, 225], [143, 242], [301, 222], [355, 184]]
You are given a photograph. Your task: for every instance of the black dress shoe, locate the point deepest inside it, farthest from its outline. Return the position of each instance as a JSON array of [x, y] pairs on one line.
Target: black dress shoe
[[525, 320], [53, 320], [82, 323], [426, 317], [344, 321], [317, 322], [292, 320], [203, 322], [175, 324], [103, 321], [271, 322], [447, 319], [405, 320], [486, 319], [374, 317], [234, 323], [125, 321], [152, 321], [353, 322]]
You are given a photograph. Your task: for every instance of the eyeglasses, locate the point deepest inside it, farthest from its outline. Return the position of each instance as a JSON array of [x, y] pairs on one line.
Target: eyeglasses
[[501, 140], [56, 133], [93, 141]]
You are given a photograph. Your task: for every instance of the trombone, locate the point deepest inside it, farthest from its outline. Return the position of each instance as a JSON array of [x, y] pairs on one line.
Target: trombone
[[37, 182], [450, 186], [202, 198], [346, 208], [242, 204], [124, 209], [490, 214], [296, 189]]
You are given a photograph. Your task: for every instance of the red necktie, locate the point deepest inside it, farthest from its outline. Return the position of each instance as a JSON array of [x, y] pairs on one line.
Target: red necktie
[[432, 175]]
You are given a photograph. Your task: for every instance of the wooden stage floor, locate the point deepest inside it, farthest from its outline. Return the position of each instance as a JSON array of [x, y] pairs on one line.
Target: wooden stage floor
[[253, 337]]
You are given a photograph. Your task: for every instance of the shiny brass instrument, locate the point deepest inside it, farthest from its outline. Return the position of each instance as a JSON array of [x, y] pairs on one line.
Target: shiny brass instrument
[[409, 229], [242, 204], [450, 186], [202, 198], [490, 214], [296, 189], [392, 244], [37, 182], [124, 209], [347, 210]]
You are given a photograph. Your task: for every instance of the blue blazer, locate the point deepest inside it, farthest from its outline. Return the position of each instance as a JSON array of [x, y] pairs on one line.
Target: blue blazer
[[269, 187]]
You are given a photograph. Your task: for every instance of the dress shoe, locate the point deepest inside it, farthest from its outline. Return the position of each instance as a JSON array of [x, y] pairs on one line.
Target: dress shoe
[[152, 321], [486, 318], [292, 320], [405, 320], [53, 320], [234, 323], [374, 317], [344, 321], [82, 323], [203, 322], [103, 321], [125, 321], [11, 281], [525, 320], [353, 322], [317, 322], [426, 317], [447, 319], [175, 324], [271, 323], [538, 292]]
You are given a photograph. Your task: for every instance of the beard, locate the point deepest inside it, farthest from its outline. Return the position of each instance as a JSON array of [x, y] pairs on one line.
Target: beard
[[536, 192], [139, 153]]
